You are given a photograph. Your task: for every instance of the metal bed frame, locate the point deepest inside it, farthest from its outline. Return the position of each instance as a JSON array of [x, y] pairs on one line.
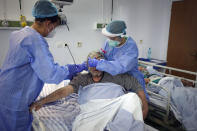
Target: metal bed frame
[[166, 118], [170, 69]]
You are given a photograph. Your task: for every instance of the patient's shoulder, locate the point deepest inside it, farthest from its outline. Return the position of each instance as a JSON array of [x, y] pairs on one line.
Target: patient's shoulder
[[125, 75], [79, 80], [119, 76]]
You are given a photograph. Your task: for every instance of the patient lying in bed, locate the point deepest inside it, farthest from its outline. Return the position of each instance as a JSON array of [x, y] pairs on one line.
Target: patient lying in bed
[[181, 97], [154, 76], [83, 80], [150, 74]]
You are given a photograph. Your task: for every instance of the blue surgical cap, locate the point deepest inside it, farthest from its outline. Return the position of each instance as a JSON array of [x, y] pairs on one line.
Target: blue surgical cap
[[43, 9], [116, 27]]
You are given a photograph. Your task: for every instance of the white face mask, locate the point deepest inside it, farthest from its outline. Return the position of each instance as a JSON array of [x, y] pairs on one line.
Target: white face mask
[[51, 34]]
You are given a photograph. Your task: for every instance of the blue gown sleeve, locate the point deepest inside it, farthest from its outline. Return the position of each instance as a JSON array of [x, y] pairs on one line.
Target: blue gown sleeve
[[126, 61], [42, 61]]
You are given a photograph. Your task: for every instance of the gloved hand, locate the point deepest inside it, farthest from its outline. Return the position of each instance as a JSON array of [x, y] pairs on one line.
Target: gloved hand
[[76, 68], [84, 66], [92, 62]]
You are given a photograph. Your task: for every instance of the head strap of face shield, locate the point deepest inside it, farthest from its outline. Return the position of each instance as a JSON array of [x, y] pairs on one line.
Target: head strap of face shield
[[63, 20]]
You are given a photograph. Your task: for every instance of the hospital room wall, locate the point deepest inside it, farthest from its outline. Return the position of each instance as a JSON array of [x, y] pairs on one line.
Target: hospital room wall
[[147, 20]]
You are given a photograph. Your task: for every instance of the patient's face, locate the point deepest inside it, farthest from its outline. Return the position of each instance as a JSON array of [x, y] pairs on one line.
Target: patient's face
[[94, 72]]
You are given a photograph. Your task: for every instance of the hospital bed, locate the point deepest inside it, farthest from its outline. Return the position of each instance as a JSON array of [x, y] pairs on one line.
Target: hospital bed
[[56, 116], [161, 109], [60, 114]]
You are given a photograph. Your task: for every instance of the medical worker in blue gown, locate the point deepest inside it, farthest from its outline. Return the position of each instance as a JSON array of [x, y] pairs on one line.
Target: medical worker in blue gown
[[121, 54], [28, 65]]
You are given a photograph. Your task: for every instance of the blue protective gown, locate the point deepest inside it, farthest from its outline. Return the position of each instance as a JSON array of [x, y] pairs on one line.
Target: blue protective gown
[[122, 59], [28, 65]]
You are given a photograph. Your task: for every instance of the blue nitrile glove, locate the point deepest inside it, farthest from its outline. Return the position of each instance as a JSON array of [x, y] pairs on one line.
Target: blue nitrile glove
[[84, 66], [76, 68], [92, 62]]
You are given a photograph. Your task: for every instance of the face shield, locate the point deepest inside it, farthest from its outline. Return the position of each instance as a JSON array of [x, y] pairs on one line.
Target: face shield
[[62, 21], [114, 29]]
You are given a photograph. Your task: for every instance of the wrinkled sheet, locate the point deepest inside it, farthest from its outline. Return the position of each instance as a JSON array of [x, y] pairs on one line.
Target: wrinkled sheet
[[56, 117], [183, 101], [59, 115], [105, 106], [186, 104]]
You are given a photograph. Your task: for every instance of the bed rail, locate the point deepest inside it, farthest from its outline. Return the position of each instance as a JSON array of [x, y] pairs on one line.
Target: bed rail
[[168, 99], [172, 68]]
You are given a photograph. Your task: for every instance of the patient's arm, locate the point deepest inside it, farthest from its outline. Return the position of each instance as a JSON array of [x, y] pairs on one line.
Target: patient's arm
[[131, 83], [144, 103], [56, 95]]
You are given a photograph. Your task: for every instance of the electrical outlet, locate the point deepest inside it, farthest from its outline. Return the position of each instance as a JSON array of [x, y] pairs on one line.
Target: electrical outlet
[[61, 44], [79, 44], [141, 41]]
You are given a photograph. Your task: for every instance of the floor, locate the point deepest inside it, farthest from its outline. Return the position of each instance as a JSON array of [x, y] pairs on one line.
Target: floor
[[160, 128]]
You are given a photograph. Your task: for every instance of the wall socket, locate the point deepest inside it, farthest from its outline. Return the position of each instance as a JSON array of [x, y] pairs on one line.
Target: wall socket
[[141, 41], [61, 44], [79, 44]]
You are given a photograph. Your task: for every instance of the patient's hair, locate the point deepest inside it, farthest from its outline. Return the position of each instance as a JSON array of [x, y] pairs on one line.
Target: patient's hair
[[95, 54]]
